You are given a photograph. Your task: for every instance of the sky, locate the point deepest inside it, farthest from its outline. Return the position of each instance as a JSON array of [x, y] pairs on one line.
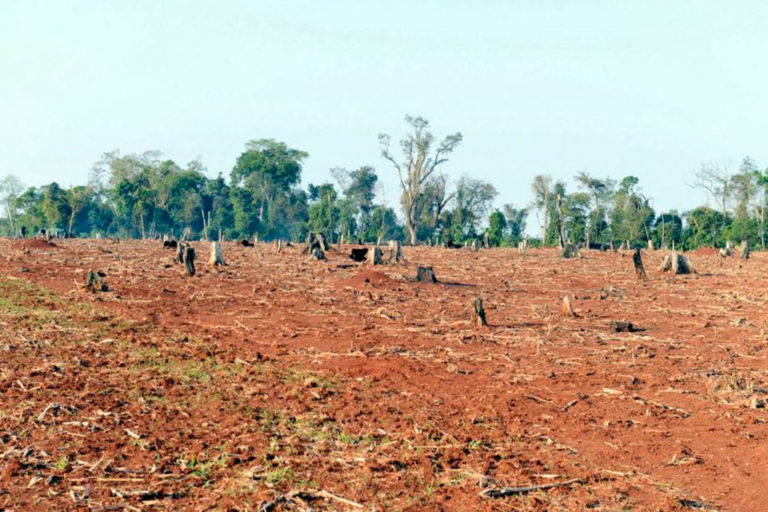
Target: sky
[[652, 89]]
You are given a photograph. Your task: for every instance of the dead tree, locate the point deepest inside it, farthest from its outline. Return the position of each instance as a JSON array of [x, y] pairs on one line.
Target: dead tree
[[189, 259], [567, 307], [426, 275], [744, 249], [216, 258], [677, 264], [395, 251], [374, 256], [571, 251], [639, 269], [478, 312]]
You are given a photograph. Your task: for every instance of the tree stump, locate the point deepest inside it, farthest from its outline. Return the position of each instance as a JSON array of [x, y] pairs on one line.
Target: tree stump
[[639, 269], [486, 240], [522, 247], [650, 245], [216, 257], [478, 312], [677, 264], [744, 249], [359, 254], [395, 251], [571, 251], [189, 259], [567, 307], [317, 254], [475, 245], [278, 245], [315, 241], [180, 252], [426, 275], [94, 282], [374, 256]]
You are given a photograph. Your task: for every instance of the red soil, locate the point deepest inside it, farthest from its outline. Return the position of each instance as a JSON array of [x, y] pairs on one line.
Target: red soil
[[377, 389], [35, 243]]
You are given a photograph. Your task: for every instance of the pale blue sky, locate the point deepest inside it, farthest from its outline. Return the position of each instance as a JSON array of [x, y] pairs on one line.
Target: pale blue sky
[[614, 88]]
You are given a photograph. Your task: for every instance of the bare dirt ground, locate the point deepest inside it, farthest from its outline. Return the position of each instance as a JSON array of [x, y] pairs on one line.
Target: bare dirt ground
[[278, 383]]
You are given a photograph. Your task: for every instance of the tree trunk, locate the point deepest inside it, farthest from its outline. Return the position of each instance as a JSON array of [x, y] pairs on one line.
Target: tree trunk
[[189, 259], [374, 256], [395, 252], [639, 269], [567, 307], [426, 275], [478, 312], [216, 257]]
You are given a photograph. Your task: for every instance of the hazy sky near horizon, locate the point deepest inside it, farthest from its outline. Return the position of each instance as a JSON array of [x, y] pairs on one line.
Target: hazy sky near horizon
[[651, 89]]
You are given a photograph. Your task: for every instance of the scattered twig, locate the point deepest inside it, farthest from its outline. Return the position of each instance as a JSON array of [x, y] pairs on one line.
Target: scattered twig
[[511, 491]]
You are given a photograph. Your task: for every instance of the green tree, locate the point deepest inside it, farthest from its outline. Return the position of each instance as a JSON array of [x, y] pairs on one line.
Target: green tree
[[516, 222], [269, 171], [324, 213], [705, 227], [632, 216], [497, 228]]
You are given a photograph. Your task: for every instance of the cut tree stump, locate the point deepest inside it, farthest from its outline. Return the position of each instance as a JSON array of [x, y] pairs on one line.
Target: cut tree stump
[[180, 252], [426, 275], [475, 244], [278, 245], [189, 259], [317, 254], [478, 312], [571, 251], [744, 249], [650, 245], [374, 256], [639, 269], [395, 251], [623, 326], [95, 282], [567, 307], [216, 257], [359, 254], [522, 246], [677, 264], [315, 241]]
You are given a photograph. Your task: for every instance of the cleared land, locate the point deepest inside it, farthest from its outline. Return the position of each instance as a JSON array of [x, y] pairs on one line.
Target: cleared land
[[239, 387]]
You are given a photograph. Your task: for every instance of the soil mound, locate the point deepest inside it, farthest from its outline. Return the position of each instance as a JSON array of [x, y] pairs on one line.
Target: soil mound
[[372, 277], [38, 244]]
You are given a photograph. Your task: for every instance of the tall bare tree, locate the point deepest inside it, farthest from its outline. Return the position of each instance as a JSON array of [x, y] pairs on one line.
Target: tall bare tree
[[542, 197], [10, 190], [715, 179], [422, 155]]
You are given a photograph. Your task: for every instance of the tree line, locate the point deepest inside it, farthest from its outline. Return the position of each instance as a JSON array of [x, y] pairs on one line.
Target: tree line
[[144, 195]]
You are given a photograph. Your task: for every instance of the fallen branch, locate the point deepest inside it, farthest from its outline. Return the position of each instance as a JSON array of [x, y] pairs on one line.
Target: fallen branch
[[511, 491]]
